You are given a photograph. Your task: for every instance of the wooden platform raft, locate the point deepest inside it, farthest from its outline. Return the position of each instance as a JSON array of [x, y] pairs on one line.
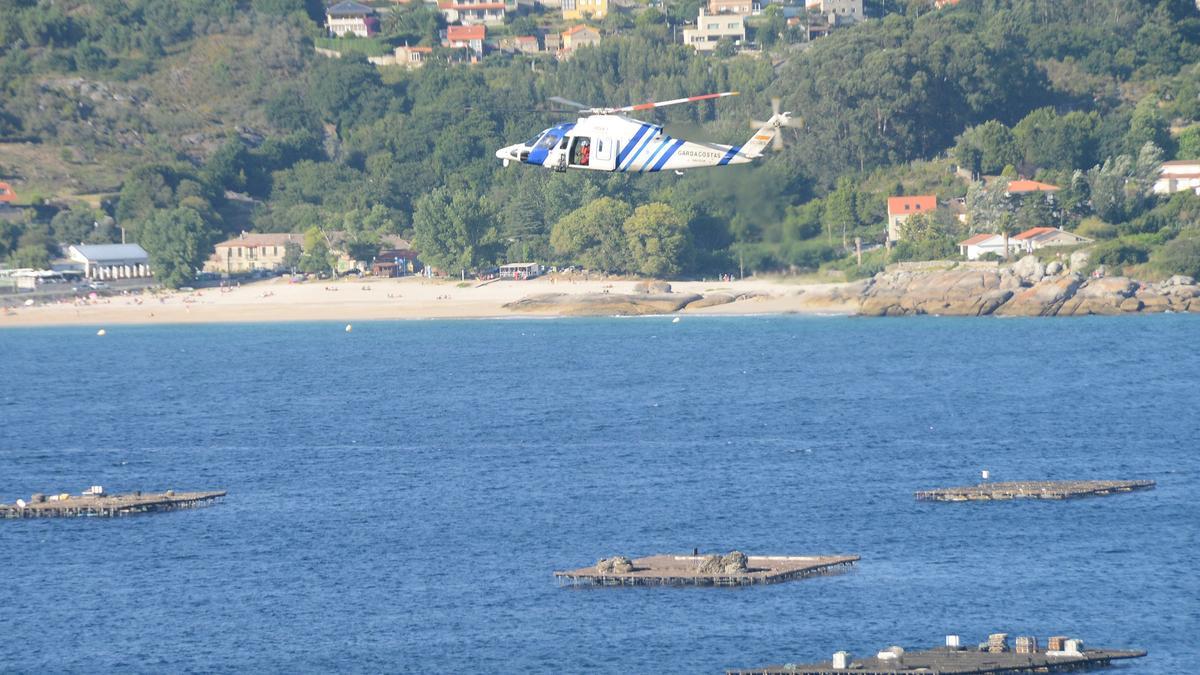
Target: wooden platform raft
[[690, 570], [1045, 489], [103, 505], [953, 661]]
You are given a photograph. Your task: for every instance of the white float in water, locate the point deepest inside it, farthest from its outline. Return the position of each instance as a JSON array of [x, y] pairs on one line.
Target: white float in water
[[675, 320], [349, 328], [101, 332]]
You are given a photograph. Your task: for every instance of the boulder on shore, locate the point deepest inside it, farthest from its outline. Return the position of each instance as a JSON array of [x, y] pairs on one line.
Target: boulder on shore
[[957, 292], [602, 304], [1029, 269], [652, 286], [1100, 296], [1045, 298]]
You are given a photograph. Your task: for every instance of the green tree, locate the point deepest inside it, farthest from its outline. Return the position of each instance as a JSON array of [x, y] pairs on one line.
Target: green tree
[[31, 255], [292, 253], [657, 237], [317, 256], [454, 231], [987, 148], [1147, 126], [178, 241], [593, 235], [1189, 143]]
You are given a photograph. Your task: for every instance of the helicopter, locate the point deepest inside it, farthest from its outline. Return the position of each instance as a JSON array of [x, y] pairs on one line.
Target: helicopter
[[605, 139]]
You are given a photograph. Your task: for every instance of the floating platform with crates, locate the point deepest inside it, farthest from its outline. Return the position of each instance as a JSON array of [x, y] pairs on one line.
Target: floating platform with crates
[[733, 569], [990, 658], [1042, 489], [95, 502]]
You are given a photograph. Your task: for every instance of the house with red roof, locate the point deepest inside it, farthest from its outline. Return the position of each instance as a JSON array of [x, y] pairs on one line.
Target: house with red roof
[[901, 208], [527, 44], [579, 36], [1044, 237], [7, 196], [412, 57], [466, 37], [982, 244]]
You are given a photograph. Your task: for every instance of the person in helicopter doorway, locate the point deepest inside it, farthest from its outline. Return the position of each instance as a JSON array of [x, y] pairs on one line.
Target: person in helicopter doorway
[[583, 152]]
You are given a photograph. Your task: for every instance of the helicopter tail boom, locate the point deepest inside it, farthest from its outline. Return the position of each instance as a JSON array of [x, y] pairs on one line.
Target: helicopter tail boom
[[753, 149]]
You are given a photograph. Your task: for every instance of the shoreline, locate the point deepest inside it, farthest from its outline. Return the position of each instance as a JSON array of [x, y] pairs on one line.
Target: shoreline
[[409, 298], [955, 291]]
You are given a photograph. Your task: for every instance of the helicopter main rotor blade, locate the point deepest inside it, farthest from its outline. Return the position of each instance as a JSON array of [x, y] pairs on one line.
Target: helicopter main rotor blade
[[677, 101], [579, 107]]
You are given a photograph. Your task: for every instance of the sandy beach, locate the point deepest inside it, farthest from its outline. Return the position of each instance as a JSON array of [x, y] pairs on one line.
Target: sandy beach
[[369, 299]]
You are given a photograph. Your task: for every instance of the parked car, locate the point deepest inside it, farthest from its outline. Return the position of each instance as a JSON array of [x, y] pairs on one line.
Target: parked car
[[98, 286]]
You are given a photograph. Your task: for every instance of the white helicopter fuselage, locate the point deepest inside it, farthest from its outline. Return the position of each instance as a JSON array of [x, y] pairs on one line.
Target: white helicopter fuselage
[[614, 142]]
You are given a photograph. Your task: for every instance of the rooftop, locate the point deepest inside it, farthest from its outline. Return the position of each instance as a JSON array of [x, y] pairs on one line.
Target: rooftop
[[349, 9], [99, 253], [1034, 232], [6, 192], [911, 203], [1022, 185], [463, 33], [979, 238], [257, 239]]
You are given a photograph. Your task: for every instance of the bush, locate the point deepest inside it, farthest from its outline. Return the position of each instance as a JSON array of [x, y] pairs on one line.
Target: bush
[[1181, 256], [1094, 228], [1119, 252]]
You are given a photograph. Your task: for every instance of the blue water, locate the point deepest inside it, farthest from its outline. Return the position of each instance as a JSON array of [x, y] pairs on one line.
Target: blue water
[[400, 495]]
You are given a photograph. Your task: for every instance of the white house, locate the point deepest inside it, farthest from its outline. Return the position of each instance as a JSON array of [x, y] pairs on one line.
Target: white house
[[351, 17], [111, 261], [712, 28], [838, 12], [1045, 237], [982, 244], [1178, 176]]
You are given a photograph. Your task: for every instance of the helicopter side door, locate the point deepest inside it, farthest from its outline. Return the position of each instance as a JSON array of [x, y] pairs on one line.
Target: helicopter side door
[[592, 152]]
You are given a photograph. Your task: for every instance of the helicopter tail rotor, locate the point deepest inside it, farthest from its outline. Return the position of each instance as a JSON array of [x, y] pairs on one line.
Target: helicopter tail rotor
[[778, 120]]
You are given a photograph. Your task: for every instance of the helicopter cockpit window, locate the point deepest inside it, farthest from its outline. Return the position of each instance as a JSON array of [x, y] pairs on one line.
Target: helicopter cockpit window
[[530, 143], [547, 141]]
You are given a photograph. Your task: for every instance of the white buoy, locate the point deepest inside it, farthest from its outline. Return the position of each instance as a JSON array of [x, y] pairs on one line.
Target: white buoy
[[349, 328], [985, 474], [675, 320], [101, 332]]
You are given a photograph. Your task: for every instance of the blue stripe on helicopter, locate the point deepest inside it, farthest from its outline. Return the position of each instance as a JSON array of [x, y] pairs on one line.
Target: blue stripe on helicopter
[[634, 141], [729, 155], [637, 153], [653, 156], [666, 155], [538, 155]]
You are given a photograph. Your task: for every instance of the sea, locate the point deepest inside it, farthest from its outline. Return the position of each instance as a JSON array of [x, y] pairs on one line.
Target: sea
[[401, 494]]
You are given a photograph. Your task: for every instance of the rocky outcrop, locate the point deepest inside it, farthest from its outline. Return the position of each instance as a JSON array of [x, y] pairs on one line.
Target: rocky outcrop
[[1101, 296], [603, 304], [1045, 298], [652, 286], [833, 298], [1027, 288], [712, 300], [969, 292]]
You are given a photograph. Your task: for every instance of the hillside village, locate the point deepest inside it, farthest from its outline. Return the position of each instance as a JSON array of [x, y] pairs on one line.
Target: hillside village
[[365, 143]]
